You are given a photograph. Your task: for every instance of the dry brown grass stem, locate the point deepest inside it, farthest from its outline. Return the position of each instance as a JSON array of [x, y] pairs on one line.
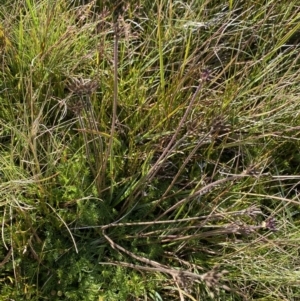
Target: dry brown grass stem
[[211, 278], [252, 212]]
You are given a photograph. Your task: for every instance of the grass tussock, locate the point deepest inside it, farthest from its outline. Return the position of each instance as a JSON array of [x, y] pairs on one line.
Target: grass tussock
[[149, 150]]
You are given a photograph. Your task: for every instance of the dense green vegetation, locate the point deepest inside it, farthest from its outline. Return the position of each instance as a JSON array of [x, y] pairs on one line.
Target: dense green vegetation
[[149, 150]]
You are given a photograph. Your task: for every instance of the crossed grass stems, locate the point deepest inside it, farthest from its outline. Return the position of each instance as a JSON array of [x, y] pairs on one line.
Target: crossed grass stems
[[98, 156], [83, 89]]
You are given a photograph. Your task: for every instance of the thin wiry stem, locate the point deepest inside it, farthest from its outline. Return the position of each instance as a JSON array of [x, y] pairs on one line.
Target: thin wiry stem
[[96, 143], [72, 237], [252, 211], [152, 172], [109, 151], [171, 145], [6, 258]]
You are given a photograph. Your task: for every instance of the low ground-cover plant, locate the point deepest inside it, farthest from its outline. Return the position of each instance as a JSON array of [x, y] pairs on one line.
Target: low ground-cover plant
[[149, 150]]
